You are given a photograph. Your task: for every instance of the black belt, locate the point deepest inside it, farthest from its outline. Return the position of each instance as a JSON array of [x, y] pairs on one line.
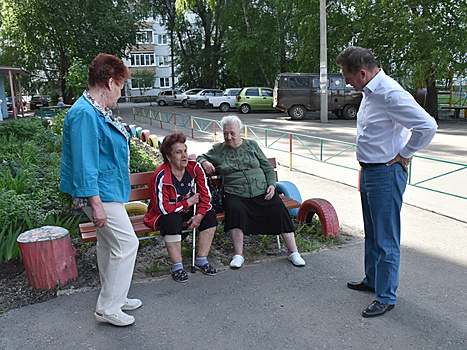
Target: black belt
[[370, 165]]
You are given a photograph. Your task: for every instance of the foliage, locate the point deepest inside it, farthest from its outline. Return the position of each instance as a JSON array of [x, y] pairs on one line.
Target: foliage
[[77, 76], [140, 161], [230, 43], [56, 124], [240, 43], [145, 80], [197, 29], [30, 175], [69, 222], [424, 40], [28, 179], [45, 35], [9, 232]]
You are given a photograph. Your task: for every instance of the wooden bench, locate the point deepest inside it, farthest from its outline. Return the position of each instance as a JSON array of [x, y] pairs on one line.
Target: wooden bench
[[140, 191]]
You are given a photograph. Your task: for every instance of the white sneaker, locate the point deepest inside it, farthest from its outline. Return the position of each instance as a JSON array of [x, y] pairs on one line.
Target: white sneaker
[[131, 304], [237, 261], [120, 319], [296, 259]]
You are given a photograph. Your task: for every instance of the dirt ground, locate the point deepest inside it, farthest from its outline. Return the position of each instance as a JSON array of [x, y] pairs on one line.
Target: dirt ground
[[152, 260]]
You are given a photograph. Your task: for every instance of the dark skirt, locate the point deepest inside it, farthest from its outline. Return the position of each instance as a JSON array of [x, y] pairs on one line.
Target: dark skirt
[[257, 215]]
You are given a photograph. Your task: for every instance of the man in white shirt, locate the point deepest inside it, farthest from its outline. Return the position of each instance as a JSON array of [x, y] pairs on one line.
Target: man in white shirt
[[391, 127]]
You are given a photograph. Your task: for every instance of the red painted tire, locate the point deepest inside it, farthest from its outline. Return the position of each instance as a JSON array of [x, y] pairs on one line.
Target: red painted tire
[[145, 135], [326, 213]]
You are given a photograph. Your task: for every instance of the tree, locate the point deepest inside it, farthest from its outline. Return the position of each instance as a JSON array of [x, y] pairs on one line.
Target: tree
[[45, 34], [77, 76], [424, 40], [197, 31], [166, 9], [200, 40], [256, 46], [145, 80]]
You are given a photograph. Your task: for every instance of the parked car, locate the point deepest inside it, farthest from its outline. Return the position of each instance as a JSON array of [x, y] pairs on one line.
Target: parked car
[[38, 101], [183, 97], [9, 103], [297, 93], [226, 100], [254, 99], [167, 97], [200, 99]]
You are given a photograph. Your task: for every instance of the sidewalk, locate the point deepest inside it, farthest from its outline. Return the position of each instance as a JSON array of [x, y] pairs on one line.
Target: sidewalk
[[275, 305]]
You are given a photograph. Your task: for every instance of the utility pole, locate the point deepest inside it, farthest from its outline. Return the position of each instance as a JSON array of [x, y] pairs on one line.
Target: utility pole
[[172, 63], [323, 65]]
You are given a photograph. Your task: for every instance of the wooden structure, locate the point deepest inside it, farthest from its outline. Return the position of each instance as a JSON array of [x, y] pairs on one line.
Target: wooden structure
[[48, 256], [14, 75]]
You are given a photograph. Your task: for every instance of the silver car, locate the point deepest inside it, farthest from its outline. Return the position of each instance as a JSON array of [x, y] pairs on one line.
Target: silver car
[[201, 99], [183, 98], [167, 97]]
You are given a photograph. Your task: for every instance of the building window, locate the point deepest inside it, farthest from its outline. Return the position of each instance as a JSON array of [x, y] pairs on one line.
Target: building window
[[164, 82], [163, 60], [144, 37], [162, 39], [142, 59]]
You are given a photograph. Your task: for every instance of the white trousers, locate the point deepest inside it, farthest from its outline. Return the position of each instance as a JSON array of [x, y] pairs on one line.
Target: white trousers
[[117, 246]]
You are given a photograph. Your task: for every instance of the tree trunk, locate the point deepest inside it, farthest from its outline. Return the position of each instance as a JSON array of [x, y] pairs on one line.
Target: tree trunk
[[432, 99], [48, 256]]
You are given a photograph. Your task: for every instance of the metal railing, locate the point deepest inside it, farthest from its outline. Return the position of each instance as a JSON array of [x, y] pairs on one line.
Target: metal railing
[[323, 150]]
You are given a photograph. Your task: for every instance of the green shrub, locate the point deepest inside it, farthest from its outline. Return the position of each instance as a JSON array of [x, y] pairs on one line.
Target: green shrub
[[9, 249], [22, 129], [140, 161], [30, 159], [30, 156], [56, 124]]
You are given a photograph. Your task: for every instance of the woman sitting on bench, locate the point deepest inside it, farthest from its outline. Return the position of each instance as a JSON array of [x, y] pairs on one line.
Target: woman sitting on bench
[[252, 205], [176, 186]]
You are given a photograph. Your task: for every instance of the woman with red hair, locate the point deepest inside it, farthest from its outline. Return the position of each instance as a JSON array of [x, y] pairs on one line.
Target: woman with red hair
[[95, 172]]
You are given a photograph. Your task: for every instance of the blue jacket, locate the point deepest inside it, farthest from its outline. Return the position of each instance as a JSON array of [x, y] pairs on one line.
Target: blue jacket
[[95, 159]]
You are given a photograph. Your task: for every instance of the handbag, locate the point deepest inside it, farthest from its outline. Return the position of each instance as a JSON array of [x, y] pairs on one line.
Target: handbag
[[217, 194]]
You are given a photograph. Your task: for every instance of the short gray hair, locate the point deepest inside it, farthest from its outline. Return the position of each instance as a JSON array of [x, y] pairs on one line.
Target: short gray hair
[[232, 119]]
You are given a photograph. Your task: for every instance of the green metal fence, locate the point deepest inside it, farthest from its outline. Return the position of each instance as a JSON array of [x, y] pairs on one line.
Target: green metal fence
[[432, 174]]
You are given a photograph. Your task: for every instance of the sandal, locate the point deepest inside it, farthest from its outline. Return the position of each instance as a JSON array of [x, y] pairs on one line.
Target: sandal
[[180, 276], [207, 269]]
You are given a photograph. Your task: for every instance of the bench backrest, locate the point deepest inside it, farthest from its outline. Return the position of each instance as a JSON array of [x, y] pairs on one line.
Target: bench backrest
[[47, 112], [140, 183]]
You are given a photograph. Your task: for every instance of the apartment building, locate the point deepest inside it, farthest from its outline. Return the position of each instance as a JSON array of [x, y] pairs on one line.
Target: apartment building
[[151, 53]]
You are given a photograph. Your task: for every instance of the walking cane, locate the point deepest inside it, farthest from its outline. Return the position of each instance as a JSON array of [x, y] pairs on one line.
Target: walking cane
[[194, 240]]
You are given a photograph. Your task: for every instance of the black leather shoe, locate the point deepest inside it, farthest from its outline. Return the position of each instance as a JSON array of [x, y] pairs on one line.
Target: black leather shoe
[[360, 286], [376, 309]]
